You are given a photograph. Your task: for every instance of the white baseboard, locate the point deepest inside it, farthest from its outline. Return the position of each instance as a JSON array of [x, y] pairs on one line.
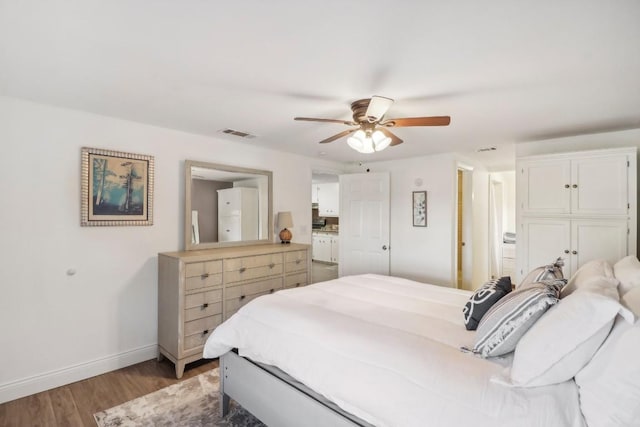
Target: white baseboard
[[37, 383]]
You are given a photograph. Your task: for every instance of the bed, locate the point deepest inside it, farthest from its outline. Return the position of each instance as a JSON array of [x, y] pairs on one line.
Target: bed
[[374, 350]]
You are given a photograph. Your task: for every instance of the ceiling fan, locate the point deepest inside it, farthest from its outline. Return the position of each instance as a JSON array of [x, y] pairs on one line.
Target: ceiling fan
[[371, 133]]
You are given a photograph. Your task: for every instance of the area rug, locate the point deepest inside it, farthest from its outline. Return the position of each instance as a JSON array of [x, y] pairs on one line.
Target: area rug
[[192, 403]]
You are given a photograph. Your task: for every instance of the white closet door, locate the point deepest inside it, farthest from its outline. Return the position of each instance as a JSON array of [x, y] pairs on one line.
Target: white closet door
[[599, 185], [545, 187], [543, 241], [598, 239]]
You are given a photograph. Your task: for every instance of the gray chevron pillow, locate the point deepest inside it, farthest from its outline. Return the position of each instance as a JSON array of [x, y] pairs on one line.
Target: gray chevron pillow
[[545, 272], [509, 319]]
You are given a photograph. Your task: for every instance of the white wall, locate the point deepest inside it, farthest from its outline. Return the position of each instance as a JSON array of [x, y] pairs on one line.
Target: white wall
[[420, 253], [427, 254], [480, 224], [625, 138], [58, 328]]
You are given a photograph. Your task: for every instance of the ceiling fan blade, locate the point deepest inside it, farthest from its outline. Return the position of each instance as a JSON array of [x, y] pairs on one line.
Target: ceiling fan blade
[[418, 121], [338, 135], [378, 107], [312, 119], [394, 139]]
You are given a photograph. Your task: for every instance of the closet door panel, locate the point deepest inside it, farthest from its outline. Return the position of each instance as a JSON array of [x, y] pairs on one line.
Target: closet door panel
[[546, 187], [545, 240], [599, 185], [598, 239]]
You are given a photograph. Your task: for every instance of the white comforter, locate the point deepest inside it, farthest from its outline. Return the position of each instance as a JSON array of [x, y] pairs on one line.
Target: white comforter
[[387, 350]]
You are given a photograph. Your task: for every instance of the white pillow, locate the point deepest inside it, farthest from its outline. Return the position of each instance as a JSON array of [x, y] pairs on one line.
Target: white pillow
[[609, 384], [588, 270], [627, 270], [631, 300], [567, 336]]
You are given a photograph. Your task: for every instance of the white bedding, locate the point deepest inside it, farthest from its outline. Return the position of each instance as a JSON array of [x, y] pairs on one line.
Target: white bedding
[[387, 350]]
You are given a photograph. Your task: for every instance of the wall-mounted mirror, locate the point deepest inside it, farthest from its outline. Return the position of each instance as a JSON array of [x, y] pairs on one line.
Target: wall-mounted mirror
[[226, 206]]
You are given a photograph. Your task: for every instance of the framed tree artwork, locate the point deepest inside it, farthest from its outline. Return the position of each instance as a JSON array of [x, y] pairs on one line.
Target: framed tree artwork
[[419, 208], [117, 188]]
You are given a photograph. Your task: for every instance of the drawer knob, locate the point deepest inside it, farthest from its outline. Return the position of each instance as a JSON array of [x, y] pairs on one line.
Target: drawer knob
[[574, 252], [242, 269], [205, 305], [271, 291], [204, 276], [242, 297], [566, 251], [575, 185], [205, 332], [567, 186]]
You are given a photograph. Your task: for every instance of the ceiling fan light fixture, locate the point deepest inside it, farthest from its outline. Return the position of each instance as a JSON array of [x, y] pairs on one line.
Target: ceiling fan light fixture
[[380, 140], [356, 141], [365, 144]]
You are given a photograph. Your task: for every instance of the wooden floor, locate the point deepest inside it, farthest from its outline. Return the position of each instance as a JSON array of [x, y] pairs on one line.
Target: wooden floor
[[74, 404]]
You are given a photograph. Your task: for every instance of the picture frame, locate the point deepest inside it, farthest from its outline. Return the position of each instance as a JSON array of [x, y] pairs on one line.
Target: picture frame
[[419, 208], [116, 188]]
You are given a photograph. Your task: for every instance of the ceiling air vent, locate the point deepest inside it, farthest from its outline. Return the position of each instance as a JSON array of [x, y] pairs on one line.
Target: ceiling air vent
[[483, 149], [237, 133]]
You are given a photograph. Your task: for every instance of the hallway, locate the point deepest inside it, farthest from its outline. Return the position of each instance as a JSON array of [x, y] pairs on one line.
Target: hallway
[[321, 272]]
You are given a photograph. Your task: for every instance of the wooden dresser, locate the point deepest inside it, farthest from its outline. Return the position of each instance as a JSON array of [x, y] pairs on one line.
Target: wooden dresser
[[198, 290]]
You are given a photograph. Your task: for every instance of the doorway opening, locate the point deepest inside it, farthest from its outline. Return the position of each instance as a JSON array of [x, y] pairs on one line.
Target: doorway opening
[[464, 218], [502, 224], [325, 226]]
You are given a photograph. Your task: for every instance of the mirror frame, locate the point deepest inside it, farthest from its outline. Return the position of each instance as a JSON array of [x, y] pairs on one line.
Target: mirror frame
[[188, 166]]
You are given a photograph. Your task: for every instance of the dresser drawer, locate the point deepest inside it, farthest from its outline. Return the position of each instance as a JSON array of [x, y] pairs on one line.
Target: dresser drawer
[[295, 261], [201, 325], [196, 340], [248, 268], [194, 269], [235, 304], [233, 264], [203, 275], [253, 288], [295, 280], [208, 297], [203, 311]]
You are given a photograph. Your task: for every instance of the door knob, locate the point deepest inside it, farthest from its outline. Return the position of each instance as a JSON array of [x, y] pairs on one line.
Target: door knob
[[384, 247]]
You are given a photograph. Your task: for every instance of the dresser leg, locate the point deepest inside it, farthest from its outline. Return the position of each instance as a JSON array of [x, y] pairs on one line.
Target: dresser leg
[[160, 356], [179, 368]]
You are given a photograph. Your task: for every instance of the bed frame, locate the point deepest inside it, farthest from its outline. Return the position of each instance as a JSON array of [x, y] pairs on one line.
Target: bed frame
[[275, 399]]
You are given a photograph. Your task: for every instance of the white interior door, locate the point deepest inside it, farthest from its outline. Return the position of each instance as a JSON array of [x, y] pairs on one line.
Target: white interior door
[[364, 224]]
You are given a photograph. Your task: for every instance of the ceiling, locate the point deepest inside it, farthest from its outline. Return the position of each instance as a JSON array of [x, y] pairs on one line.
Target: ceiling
[[505, 71]]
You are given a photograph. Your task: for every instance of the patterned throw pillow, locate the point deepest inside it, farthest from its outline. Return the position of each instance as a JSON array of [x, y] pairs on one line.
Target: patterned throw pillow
[[545, 272], [482, 300], [509, 319]]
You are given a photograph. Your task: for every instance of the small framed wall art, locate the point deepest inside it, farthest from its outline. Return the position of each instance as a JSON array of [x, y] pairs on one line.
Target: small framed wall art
[[117, 188], [419, 209]]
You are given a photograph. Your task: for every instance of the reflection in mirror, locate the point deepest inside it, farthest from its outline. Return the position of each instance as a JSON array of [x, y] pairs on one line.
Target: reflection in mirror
[[226, 205]]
